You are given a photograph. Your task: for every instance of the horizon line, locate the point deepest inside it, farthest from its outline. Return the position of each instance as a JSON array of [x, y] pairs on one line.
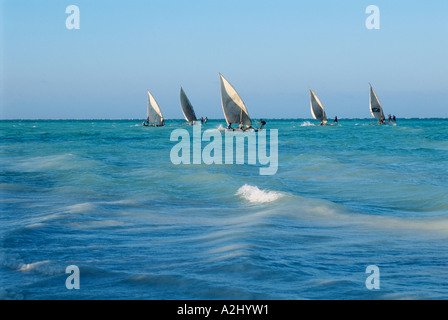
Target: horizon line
[[208, 119]]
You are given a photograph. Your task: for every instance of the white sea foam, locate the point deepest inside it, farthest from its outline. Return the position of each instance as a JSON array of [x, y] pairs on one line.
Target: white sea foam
[[254, 195], [306, 124], [46, 267], [59, 161], [81, 207], [33, 266]]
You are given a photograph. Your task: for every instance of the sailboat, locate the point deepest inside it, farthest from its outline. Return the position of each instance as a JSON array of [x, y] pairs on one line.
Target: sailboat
[[375, 107], [233, 106], [187, 108], [154, 117], [317, 109]]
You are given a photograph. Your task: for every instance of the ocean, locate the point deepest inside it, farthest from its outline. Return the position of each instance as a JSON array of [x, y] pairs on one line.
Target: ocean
[[104, 196]]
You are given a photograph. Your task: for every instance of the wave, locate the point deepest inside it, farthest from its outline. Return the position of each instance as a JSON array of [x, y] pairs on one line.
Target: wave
[[306, 124], [81, 208], [43, 267], [254, 195], [315, 209], [46, 267], [66, 161]]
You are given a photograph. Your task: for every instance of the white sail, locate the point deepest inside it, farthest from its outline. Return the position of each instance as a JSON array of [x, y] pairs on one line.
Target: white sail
[[317, 109], [375, 106], [233, 106], [187, 108], [154, 114]]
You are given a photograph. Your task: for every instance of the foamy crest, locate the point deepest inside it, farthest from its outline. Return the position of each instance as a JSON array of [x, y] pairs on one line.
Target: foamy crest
[[33, 266], [46, 267], [81, 208], [255, 195], [306, 124], [14, 262]]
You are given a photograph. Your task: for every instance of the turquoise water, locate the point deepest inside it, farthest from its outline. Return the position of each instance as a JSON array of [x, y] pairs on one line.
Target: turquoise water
[[104, 196]]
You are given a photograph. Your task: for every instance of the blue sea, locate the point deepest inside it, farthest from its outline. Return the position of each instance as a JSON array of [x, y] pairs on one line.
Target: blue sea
[[104, 195]]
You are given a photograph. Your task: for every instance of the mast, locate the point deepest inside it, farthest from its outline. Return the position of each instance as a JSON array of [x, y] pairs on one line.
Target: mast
[[147, 111]]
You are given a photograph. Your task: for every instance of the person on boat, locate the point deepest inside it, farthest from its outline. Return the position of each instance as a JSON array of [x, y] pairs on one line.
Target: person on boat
[[389, 118], [394, 119], [205, 120], [229, 126], [262, 123], [335, 119], [202, 120], [383, 119]]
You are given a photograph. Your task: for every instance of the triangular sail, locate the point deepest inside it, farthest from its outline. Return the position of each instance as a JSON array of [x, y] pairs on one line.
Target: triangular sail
[[187, 108], [375, 106], [317, 109], [233, 106], [153, 113]]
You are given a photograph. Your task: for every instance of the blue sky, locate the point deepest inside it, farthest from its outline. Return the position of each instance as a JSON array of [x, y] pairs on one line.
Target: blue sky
[[271, 51]]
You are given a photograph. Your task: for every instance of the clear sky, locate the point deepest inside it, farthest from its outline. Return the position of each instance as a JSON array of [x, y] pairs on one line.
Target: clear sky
[[271, 51]]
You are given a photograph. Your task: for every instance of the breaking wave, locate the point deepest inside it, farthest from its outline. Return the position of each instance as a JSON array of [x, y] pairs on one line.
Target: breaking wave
[[254, 195], [306, 124]]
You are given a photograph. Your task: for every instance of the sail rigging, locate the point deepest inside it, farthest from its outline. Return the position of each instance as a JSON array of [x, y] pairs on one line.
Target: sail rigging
[[233, 106], [154, 114], [375, 106], [187, 108], [317, 109]]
